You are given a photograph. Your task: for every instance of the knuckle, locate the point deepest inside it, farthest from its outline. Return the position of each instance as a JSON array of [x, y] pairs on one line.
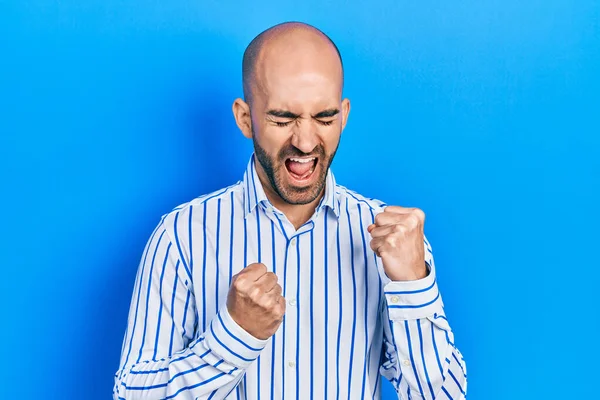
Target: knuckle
[[399, 230], [261, 267], [278, 308], [417, 212], [267, 303], [272, 275], [413, 220], [281, 307], [390, 241], [238, 283], [275, 310], [374, 245], [256, 267], [254, 293], [379, 218]]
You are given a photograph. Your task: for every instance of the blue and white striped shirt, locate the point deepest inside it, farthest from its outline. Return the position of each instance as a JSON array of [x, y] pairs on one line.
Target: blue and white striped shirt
[[345, 325]]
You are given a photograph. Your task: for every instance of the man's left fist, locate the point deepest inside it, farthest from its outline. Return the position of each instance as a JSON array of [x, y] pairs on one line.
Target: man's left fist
[[398, 239]]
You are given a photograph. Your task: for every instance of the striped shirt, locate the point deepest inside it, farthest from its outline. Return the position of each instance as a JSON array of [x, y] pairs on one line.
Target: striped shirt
[[346, 324]]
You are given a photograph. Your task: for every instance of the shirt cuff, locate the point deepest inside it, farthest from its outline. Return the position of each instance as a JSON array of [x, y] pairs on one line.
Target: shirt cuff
[[231, 342], [413, 299]]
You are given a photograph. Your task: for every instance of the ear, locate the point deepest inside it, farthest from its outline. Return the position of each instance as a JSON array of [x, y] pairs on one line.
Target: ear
[[241, 113], [345, 112]]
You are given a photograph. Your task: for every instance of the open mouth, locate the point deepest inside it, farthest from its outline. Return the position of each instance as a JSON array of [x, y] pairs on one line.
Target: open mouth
[[301, 169]]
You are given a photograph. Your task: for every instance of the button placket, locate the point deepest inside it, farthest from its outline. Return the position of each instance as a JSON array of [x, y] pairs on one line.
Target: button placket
[[291, 315], [292, 310]]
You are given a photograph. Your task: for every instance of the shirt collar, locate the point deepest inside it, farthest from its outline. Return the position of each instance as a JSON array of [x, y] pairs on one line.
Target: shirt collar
[[254, 193]]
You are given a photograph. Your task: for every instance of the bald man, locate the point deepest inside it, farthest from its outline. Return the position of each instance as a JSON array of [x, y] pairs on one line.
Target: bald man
[[286, 285]]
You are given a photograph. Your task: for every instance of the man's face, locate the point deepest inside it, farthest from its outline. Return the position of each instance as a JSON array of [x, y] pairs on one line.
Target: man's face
[[296, 177], [297, 119]]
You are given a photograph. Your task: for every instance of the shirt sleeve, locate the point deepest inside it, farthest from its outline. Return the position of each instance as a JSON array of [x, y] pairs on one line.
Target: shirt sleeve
[[162, 355], [419, 354]]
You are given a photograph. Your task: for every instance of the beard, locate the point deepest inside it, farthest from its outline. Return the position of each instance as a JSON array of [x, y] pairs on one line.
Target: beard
[[275, 169]]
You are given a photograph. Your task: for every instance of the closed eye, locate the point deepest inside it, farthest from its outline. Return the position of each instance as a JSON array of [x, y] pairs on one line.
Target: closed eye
[[284, 124], [326, 123]]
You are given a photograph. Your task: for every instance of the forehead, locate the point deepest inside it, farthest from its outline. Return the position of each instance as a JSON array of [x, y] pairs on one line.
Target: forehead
[[305, 75], [306, 90]]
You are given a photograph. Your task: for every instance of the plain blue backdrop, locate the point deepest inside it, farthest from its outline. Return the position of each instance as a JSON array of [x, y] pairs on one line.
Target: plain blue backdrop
[[485, 114]]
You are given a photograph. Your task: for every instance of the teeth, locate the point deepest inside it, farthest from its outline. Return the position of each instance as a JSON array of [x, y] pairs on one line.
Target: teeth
[[302, 160]]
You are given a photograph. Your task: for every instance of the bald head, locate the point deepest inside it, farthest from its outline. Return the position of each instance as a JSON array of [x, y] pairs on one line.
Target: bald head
[[293, 111], [288, 44]]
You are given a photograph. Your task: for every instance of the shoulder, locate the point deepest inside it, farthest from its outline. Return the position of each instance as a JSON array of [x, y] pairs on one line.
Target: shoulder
[[182, 217], [356, 202], [353, 202]]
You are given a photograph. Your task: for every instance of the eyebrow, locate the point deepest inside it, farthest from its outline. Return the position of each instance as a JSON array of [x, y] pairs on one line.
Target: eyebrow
[[327, 113], [283, 114], [288, 114]]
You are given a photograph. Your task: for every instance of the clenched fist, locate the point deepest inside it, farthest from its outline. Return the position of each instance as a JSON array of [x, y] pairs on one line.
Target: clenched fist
[[398, 239], [254, 301]]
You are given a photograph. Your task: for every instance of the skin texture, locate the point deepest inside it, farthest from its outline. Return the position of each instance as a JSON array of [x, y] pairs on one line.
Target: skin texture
[[254, 301], [294, 108], [398, 239]]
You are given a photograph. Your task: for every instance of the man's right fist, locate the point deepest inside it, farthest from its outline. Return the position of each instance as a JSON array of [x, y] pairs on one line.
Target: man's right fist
[[254, 301]]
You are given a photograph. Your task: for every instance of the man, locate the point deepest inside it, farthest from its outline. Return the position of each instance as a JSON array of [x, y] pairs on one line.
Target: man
[[287, 285]]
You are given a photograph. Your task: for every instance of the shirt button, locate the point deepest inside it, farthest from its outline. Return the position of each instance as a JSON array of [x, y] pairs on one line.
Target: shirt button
[[292, 364], [293, 242], [394, 299], [292, 302], [406, 362]]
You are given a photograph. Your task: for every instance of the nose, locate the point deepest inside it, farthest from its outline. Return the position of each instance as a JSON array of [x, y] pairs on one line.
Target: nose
[[305, 137]]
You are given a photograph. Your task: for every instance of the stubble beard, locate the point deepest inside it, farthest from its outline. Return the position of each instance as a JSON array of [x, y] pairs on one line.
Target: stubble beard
[[274, 171]]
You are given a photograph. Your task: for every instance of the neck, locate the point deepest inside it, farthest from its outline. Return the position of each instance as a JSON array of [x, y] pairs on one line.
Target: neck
[[297, 214]]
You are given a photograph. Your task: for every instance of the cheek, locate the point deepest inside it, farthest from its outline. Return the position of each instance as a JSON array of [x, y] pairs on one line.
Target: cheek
[[330, 139], [273, 139]]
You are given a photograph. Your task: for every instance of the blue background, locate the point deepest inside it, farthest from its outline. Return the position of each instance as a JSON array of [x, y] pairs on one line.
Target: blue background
[[485, 114]]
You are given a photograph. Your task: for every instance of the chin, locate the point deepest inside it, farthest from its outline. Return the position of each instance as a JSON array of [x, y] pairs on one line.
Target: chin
[[300, 195], [299, 199]]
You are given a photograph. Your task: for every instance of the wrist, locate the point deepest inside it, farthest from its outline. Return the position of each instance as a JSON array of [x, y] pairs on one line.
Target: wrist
[[412, 274]]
